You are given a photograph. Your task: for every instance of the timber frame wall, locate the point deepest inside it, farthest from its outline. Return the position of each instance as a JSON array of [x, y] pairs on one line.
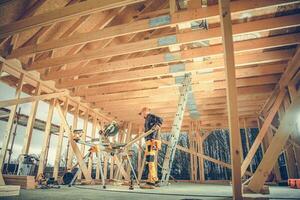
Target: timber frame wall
[[245, 73]]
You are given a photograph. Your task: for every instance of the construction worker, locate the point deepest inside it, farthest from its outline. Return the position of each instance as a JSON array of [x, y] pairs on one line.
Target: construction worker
[[153, 144]]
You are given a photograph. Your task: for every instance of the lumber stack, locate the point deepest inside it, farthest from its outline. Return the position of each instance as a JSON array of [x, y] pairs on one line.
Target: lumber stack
[[26, 182], [9, 190]]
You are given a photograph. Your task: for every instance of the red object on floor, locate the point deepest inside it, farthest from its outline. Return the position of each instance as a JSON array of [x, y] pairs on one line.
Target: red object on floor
[[294, 183]]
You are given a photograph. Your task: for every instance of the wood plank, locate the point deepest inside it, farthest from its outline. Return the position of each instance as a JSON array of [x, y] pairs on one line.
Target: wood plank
[[23, 100], [25, 182], [231, 91], [62, 14], [9, 190]]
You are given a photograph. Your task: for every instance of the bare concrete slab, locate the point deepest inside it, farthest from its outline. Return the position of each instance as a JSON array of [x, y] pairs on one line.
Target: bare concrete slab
[[177, 191]]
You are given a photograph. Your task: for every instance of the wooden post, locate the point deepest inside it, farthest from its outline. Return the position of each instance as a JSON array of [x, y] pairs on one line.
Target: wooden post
[[105, 165], [74, 126], [191, 155], [128, 138], [201, 164], [59, 142], [7, 133], [90, 165], [247, 141], [231, 91], [173, 6], [83, 137], [139, 164], [30, 123], [98, 164], [74, 147], [46, 140]]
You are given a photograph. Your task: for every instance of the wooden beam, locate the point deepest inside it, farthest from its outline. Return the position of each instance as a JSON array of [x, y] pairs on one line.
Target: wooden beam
[[262, 131], [9, 125], [62, 14], [75, 149], [46, 140], [231, 91], [162, 42], [23, 100], [150, 24], [60, 141], [287, 125], [214, 63], [163, 57], [257, 76]]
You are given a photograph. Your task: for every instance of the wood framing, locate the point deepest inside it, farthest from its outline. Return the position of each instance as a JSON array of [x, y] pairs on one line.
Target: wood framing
[[62, 14], [31, 119], [11, 102], [9, 124], [46, 139], [74, 147], [60, 141], [262, 132], [287, 126]]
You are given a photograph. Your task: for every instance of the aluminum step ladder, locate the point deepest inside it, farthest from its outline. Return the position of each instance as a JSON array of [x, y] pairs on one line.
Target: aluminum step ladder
[[176, 127]]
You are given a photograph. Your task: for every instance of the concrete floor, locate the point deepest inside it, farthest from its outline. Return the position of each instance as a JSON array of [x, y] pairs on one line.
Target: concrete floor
[[178, 191]]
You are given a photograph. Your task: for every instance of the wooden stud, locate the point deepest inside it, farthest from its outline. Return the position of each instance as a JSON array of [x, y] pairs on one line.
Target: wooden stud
[[74, 126], [83, 137], [7, 133], [46, 140], [60, 141], [90, 164], [30, 123], [173, 6], [74, 147]]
